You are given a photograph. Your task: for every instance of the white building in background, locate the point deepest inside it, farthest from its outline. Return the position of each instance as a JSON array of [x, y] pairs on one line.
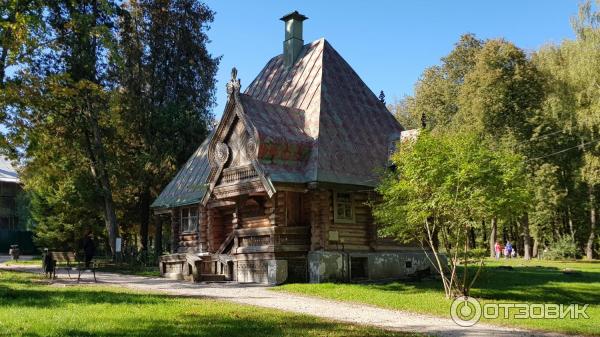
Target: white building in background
[[9, 189]]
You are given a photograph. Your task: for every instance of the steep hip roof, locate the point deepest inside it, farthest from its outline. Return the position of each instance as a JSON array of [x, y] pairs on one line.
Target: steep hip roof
[[317, 121], [352, 129]]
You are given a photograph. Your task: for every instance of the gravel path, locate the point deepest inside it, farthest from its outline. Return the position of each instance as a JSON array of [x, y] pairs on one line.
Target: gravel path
[[259, 295]]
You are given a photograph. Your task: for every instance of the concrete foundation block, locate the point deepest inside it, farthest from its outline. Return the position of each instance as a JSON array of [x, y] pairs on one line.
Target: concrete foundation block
[[277, 271]]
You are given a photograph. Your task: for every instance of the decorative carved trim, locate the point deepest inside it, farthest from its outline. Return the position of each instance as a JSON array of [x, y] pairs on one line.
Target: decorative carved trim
[[221, 153], [234, 85], [238, 174], [251, 148], [216, 152], [226, 191]]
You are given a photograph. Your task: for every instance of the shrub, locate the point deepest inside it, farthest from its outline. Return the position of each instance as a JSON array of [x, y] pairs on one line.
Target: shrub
[[562, 248]]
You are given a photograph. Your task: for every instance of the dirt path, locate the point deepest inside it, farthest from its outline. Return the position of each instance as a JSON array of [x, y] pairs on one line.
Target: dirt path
[[259, 295]]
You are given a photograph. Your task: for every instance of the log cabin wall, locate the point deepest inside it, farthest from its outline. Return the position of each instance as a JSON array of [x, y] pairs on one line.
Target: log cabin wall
[[202, 228], [219, 226], [192, 241], [358, 234], [354, 235]]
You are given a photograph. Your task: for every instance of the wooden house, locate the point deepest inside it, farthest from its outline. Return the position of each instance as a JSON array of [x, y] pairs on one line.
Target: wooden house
[[278, 192]]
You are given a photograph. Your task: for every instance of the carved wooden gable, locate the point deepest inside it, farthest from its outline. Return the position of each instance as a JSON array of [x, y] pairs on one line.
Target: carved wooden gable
[[233, 153]]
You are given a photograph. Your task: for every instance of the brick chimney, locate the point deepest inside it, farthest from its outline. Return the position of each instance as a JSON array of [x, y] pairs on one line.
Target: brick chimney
[[293, 37]]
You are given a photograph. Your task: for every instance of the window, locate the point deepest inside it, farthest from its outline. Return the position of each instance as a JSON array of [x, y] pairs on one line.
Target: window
[[189, 219], [343, 207]]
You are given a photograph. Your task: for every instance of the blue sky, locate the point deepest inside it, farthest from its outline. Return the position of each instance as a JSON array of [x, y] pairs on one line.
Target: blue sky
[[388, 43]]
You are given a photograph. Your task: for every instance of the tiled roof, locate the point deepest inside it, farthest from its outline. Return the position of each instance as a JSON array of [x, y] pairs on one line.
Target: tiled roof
[[316, 120], [189, 184], [351, 127], [284, 145]]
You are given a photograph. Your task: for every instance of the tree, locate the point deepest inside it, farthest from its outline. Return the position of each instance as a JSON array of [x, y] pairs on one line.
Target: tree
[[443, 184], [572, 69], [167, 77], [66, 94], [21, 29], [436, 91]]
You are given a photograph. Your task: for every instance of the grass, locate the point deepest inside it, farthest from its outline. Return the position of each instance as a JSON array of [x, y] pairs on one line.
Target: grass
[[30, 307], [131, 270], [105, 266], [527, 282], [33, 261]]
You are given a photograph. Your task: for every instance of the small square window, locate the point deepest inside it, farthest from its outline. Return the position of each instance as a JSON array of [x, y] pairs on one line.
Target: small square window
[[343, 207]]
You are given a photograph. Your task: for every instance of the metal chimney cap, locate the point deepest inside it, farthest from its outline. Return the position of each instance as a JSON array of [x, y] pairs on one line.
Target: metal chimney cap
[[295, 16]]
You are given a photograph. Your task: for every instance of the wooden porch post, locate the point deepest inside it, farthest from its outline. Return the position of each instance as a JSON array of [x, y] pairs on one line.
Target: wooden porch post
[[174, 230]]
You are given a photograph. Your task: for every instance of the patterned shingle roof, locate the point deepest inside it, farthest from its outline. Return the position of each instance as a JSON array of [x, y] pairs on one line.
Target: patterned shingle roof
[[189, 184], [316, 120], [351, 127], [284, 145]]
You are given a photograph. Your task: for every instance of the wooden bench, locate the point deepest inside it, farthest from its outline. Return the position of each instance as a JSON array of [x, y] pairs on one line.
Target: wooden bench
[[69, 260]]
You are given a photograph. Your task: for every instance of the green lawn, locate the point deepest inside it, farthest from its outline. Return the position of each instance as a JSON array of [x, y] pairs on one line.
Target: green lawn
[[34, 261], [534, 282], [31, 307], [105, 266]]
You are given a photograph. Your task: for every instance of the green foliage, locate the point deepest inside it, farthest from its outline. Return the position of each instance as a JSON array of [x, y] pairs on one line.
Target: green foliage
[[453, 178], [562, 248], [544, 106], [155, 99], [86, 115], [442, 184]]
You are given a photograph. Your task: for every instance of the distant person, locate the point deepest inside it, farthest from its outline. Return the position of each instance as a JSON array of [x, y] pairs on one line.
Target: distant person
[[509, 249], [497, 249], [48, 263], [89, 249]]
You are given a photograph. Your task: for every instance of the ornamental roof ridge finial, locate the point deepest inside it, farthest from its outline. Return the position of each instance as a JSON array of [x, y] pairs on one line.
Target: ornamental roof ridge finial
[[234, 84]]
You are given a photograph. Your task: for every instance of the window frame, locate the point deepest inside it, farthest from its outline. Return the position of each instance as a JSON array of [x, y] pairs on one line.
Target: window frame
[[188, 223], [350, 204]]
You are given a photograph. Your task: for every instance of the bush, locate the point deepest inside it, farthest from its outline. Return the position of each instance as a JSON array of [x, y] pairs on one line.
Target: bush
[[478, 253], [562, 248]]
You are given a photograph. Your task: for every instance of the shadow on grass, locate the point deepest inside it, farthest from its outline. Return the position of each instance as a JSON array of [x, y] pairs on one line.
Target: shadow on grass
[[208, 325], [149, 319], [521, 283]]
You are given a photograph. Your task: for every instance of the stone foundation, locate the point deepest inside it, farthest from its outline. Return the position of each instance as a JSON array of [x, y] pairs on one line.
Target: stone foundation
[[327, 266], [323, 266], [173, 266]]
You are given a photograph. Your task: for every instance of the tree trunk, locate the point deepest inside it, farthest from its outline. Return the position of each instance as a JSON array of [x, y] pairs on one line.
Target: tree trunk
[[472, 240], [534, 253], [570, 222], [144, 218], [493, 235], [526, 238], [158, 236], [484, 234], [98, 167], [589, 249]]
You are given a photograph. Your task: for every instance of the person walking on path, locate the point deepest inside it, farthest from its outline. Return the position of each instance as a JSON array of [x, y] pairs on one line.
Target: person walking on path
[[497, 249], [509, 249]]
